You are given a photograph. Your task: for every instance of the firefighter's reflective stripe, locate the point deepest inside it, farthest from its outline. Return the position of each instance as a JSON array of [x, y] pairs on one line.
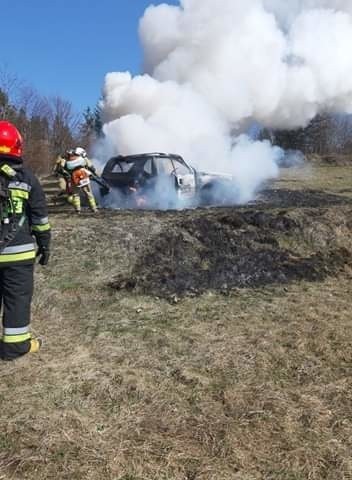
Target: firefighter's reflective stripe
[[17, 257], [16, 335], [16, 331], [4, 149], [17, 193], [19, 248], [10, 172], [40, 224], [16, 338], [41, 228], [20, 186], [40, 221]]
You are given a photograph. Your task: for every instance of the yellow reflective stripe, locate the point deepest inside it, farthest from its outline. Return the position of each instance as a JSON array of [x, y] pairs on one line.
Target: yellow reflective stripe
[[4, 149], [19, 193], [6, 168], [16, 338], [41, 228], [16, 257]]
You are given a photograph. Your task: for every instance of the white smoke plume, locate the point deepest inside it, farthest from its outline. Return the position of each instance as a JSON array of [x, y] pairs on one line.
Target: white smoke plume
[[213, 67]]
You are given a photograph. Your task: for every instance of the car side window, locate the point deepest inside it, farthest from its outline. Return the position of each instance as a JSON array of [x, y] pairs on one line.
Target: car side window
[[120, 167], [148, 167], [163, 165], [125, 167], [116, 168], [180, 169]]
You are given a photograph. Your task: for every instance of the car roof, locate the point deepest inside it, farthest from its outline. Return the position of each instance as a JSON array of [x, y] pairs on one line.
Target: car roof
[[143, 156]]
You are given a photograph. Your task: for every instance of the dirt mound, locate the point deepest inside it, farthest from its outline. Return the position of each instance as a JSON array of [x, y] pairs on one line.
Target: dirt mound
[[227, 250]]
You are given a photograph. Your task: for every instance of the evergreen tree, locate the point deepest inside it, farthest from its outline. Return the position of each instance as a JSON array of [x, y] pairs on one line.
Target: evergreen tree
[[91, 128], [86, 129], [98, 123]]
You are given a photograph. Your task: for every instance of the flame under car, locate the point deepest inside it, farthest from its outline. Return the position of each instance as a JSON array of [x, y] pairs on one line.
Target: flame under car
[[162, 181]]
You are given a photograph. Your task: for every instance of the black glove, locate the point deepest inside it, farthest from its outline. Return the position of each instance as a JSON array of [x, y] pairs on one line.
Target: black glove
[[44, 255]]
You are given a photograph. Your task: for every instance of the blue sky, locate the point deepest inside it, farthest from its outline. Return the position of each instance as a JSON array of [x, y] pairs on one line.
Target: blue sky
[[65, 47]]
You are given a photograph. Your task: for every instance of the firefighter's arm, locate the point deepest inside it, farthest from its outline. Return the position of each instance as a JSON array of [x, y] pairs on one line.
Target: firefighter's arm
[[90, 166], [61, 171], [59, 168], [38, 219]]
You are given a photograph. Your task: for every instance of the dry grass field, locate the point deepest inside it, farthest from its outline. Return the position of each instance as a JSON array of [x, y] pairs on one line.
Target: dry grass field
[[213, 344]]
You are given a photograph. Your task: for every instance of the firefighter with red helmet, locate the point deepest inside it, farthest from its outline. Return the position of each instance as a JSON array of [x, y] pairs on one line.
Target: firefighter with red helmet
[[24, 234]]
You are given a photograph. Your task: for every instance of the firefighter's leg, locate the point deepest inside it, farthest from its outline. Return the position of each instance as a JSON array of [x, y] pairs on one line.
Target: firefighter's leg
[[69, 191], [76, 199], [62, 185], [64, 192], [17, 291], [90, 197]]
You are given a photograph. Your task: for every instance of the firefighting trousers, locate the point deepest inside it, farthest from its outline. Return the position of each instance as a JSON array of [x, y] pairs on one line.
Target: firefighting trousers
[[16, 291], [75, 198]]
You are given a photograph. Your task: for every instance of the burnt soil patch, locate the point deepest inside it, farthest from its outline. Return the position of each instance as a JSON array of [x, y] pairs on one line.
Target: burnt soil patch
[[226, 249]]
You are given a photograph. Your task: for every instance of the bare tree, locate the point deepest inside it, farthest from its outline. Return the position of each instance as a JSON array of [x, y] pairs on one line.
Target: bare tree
[[49, 125], [9, 82]]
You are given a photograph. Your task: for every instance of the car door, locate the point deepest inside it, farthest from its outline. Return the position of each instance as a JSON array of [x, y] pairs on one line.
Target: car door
[[185, 179], [165, 188]]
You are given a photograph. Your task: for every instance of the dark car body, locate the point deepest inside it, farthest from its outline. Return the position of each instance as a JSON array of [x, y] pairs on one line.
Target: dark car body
[[162, 180]]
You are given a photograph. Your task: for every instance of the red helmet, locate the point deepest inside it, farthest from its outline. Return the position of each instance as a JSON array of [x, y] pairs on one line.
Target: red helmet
[[10, 140]]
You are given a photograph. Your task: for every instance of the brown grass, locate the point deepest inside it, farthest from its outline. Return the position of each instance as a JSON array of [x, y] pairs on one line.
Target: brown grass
[[252, 384]]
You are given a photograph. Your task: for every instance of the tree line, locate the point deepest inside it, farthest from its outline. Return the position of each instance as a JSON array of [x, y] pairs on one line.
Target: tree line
[[49, 125], [326, 134]]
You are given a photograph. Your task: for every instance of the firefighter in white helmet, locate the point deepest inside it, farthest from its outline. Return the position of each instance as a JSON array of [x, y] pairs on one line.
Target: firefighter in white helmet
[[80, 169]]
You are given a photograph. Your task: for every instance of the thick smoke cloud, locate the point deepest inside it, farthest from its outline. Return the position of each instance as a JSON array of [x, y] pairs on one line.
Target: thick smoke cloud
[[214, 67]]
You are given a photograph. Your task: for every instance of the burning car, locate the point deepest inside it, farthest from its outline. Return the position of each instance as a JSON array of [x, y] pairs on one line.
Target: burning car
[[163, 180]]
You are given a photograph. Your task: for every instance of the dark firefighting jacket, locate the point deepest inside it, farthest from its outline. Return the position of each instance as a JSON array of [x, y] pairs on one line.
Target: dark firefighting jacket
[[29, 204]]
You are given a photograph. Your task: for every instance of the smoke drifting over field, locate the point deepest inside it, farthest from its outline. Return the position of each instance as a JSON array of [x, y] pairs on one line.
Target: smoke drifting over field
[[214, 68]]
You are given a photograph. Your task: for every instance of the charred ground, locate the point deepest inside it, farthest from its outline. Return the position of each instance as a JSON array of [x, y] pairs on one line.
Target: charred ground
[[222, 249], [199, 250]]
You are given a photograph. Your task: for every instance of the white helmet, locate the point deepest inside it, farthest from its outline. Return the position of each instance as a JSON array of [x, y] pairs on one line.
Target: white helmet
[[80, 152]]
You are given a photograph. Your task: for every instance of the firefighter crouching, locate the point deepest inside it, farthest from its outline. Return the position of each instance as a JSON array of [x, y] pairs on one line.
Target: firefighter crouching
[[79, 169], [23, 214]]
